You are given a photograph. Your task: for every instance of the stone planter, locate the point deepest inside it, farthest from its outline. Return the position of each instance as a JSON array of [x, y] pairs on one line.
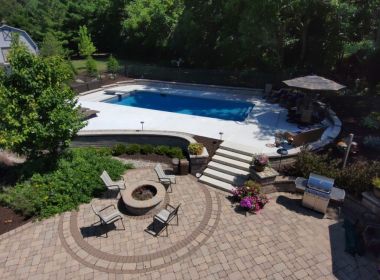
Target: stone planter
[[376, 192], [265, 177], [198, 162], [258, 168]]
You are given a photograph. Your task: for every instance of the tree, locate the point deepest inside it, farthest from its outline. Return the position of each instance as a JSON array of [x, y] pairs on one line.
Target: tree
[[85, 46], [51, 46], [37, 107], [112, 65], [150, 24]]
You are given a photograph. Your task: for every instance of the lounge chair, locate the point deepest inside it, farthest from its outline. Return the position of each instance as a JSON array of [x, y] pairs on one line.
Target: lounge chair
[[112, 185], [165, 216], [305, 137], [164, 179], [109, 218]]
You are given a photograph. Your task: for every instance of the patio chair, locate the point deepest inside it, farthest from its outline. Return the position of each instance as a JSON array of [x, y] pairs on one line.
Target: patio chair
[[108, 218], [112, 185], [164, 179], [165, 216]]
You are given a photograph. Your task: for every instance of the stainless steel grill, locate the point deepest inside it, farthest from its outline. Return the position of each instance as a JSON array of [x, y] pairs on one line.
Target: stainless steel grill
[[318, 192]]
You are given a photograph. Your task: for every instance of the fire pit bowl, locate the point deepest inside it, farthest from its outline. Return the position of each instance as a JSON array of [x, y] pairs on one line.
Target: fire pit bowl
[[142, 197]]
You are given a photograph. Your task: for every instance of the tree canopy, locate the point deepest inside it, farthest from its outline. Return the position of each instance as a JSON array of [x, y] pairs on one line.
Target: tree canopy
[[268, 35], [85, 45], [37, 107]]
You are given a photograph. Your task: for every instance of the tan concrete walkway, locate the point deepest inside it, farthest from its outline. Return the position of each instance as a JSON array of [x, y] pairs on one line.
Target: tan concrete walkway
[[212, 241]]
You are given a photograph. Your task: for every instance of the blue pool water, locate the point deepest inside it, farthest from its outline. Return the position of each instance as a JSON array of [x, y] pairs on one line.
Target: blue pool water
[[212, 108]]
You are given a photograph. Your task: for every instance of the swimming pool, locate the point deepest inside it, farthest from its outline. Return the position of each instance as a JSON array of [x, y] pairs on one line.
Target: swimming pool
[[205, 107]]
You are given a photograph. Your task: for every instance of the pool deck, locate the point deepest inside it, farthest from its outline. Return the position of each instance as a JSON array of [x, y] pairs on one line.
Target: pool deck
[[255, 132]]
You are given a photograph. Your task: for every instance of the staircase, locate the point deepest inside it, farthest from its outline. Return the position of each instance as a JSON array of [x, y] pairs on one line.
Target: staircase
[[229, 167]]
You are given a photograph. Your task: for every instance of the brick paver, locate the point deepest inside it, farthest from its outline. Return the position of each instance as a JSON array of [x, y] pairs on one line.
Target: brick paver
[[212, 241]]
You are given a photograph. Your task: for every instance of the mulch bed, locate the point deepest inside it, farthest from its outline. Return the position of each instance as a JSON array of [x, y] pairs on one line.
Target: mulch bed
[[351, 110], [10, 220]]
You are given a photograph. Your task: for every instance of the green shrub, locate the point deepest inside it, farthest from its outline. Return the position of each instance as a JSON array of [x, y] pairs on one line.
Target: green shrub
[[175, 152], [252, 185], [133, 149], [372, 142], [376, 182], [308, 162], [119, 149], [147, 149], [355, 178], [91, 67], [372, 121], [74, 180], [112, 65], [195, 148], [161, 150]]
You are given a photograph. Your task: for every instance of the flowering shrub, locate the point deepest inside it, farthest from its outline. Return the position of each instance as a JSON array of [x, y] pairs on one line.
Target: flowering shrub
[[261, 160], [249, 196]]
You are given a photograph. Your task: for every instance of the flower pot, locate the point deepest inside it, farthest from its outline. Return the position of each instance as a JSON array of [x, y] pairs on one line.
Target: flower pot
[[259, 168], [376, 192]]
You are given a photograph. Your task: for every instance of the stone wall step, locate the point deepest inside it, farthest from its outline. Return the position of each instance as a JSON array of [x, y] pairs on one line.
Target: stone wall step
[[234, 155], [221, 176], [238, 148], [216, 183], [231, 162], [227, 169]]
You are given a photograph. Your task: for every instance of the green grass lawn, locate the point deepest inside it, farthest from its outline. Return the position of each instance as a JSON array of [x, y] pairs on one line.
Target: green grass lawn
[[101, 63], [80, 65]]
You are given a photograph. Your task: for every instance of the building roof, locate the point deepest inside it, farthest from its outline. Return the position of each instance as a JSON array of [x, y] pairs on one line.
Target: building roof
[[5, 27]]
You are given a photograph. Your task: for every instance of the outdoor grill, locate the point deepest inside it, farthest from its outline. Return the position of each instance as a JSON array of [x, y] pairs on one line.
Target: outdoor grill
[[317, 193]]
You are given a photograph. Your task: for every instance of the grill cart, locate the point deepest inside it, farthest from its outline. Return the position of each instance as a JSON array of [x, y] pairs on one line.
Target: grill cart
[[318, 190]]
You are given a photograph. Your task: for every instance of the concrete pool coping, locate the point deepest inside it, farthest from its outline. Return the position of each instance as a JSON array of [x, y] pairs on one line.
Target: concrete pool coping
[[250, 133]]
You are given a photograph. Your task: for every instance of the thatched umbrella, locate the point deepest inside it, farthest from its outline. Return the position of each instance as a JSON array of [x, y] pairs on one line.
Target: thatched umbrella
[[314, 83]]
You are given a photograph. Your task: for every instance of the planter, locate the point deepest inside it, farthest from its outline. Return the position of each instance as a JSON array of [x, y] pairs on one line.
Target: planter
[[198, 162], [259, 168], [376, 192]]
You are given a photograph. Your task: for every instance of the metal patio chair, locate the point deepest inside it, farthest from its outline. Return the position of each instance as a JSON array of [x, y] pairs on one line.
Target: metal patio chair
[[165, 216], [112, 185], [106, 219]]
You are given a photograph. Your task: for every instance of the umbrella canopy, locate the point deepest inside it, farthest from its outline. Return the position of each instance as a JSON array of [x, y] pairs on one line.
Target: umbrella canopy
[[314, 83]]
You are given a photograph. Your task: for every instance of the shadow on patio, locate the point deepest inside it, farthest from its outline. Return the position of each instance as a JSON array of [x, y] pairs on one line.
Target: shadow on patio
[[344, 264], [295, 205]]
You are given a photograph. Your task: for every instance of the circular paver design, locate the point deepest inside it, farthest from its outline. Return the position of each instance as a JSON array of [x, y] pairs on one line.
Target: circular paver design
[[135, 251]]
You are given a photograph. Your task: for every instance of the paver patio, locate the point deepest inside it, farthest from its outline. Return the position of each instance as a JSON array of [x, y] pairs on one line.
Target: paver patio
[[212, 241]]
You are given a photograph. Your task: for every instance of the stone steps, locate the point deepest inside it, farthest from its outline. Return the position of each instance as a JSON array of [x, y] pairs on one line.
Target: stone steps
[[234, 155], [216, 183], [238, 148], [228, 168], [222, 176], [231, 162]]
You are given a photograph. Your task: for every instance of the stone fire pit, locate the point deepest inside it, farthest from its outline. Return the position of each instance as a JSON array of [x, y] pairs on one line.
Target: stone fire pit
[[141, 197]]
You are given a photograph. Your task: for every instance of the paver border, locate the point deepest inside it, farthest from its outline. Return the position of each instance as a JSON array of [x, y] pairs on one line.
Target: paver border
[[89, 256]]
